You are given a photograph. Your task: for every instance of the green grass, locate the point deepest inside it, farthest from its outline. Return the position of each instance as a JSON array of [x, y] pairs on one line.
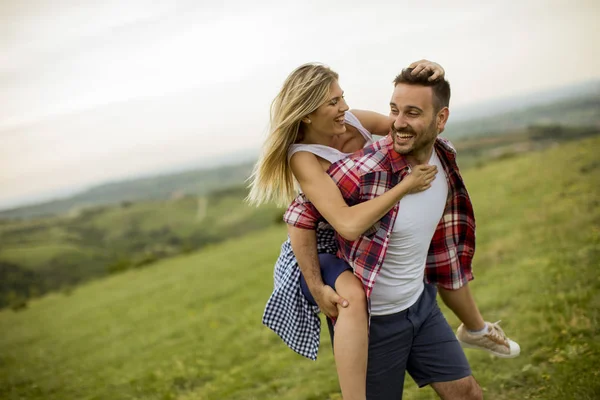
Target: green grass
[[189, 327], [36, 256], [93, 242]]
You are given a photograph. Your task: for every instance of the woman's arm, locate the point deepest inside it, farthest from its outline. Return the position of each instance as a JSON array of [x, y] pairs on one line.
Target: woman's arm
[[351, 222], [377, 124]]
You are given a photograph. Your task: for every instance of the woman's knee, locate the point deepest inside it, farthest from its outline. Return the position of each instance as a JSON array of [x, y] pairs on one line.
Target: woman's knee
[[351, 288]]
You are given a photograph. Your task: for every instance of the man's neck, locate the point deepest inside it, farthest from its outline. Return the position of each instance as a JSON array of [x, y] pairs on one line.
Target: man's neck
[[420, 157]]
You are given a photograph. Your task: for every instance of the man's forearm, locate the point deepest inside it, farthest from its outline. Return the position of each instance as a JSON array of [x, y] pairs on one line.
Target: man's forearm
[[304, 244]]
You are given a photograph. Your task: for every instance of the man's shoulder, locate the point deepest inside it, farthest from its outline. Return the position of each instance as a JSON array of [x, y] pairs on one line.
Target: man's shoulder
[[369, 159], [446, 145]]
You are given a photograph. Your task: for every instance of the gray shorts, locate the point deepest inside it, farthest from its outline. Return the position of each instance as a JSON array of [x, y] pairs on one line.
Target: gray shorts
[[418, 340]]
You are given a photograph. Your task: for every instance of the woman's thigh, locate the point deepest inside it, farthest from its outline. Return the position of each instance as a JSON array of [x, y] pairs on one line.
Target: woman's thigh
[[331, 268]]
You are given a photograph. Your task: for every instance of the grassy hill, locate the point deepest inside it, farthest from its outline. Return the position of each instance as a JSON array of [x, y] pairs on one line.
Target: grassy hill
[[44, 254], [189, 327], [574, 112], [161, 187]]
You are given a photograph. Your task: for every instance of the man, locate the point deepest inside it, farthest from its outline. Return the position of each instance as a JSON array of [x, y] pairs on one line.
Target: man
[[436, 226]]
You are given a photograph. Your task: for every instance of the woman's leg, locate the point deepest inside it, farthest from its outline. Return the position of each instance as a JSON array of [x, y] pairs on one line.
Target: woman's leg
[[351, 340]]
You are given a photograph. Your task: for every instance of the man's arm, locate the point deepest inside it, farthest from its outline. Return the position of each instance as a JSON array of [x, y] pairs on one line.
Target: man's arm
[[302, 219], [304, 243]]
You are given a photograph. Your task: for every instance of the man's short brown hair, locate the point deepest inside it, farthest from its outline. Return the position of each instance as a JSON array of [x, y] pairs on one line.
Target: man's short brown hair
[[440, 86]]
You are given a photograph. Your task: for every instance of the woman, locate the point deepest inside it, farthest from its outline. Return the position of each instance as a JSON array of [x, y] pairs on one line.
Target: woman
[[310, 129]]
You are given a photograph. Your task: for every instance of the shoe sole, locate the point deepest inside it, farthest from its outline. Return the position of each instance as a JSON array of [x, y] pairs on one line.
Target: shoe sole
[[500, 355]]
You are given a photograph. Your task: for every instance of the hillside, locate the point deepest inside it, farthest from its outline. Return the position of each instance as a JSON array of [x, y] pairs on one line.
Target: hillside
[[189, 327], [579, 111], [160, 187], [45, 254], [503, 105], [573, 112]]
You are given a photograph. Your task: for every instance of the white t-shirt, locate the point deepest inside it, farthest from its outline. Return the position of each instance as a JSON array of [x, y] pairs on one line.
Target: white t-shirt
[[400, 280]]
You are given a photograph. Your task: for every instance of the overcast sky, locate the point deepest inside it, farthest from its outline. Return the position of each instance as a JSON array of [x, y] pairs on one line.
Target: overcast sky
[[92, 91]]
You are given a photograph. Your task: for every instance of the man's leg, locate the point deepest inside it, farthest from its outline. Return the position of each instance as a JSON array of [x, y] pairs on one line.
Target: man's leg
[[465, 388], [436, 357], [390, 339]]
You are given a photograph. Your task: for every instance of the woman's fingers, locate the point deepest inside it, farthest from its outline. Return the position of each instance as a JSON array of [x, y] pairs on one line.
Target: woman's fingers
[[436, 74], [419, 68], [417, 63]]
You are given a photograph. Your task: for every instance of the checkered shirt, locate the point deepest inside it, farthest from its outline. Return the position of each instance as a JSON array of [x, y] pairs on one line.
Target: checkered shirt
[[287, 312], [363, 176], [376, 169]]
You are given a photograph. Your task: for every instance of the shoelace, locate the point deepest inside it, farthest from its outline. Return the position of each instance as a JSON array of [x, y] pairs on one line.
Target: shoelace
[[497, 331]]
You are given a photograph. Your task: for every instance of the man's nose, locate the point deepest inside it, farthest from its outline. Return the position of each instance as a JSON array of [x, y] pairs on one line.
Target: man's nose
[[400, 122]]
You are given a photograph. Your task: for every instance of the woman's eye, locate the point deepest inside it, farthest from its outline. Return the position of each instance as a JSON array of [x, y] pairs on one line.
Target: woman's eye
[[334, 102]]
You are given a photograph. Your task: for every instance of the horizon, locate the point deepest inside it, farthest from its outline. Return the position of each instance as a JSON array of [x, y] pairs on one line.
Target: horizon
[[99, 92], [235, 158]]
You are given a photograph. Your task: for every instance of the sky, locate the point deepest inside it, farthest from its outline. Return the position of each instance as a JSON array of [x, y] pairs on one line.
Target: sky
[[96, 91]]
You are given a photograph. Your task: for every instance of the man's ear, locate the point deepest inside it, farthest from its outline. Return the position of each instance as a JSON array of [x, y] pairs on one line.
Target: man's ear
[[442, 118]]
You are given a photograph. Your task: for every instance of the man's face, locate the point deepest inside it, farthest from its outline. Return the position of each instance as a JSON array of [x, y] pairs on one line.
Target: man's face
[[415, 125]]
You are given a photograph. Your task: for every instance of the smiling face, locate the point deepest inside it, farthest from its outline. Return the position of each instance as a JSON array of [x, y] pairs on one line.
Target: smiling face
[[328, 119], [415, 122]]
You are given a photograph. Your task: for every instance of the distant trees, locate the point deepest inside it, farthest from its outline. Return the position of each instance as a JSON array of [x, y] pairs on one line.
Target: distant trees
[[560, 132], [101, 240], [17, 284]]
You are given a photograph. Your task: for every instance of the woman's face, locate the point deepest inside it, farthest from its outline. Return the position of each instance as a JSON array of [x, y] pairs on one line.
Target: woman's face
[[328, 119]]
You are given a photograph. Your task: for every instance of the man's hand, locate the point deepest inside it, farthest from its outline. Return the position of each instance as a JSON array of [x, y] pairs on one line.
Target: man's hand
[[327, 299]]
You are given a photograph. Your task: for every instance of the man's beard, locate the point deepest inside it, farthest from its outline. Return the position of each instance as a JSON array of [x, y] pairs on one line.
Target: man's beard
[[420, 140]]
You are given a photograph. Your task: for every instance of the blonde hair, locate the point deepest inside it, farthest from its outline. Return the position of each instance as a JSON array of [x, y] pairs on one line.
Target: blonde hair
[[304, 90]]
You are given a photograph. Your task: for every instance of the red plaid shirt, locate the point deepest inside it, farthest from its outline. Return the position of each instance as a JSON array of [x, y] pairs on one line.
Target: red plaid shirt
[[374, 170]]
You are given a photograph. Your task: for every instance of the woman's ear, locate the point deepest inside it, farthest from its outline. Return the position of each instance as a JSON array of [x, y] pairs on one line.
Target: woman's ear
[[306, 120]]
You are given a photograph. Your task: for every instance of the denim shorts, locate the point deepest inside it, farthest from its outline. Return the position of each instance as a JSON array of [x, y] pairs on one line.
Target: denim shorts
[[418, 340], [331, 268]]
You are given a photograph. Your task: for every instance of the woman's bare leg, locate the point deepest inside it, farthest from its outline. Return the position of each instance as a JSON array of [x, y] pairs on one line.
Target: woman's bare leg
[[351, 338]]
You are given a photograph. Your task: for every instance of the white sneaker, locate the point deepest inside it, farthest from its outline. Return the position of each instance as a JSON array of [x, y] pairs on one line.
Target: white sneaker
[[494, 341]]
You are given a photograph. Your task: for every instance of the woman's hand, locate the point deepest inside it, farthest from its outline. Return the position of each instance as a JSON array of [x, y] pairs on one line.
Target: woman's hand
[[425, 67], [420, 178]]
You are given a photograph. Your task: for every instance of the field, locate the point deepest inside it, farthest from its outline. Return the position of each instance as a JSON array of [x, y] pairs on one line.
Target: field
[[57, 252], [105, 232], [189, 327]]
